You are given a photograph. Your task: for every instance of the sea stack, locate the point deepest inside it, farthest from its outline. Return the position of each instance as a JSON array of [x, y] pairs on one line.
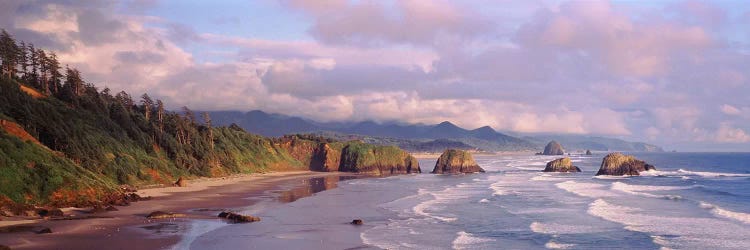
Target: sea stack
[[620, 164], [588, 152], [553, 148], [561, 165], [454, 161]]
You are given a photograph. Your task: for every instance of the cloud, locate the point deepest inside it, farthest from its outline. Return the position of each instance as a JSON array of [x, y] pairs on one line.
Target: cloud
[[665, 73], [730, 110], [728, 134], [374, 23]]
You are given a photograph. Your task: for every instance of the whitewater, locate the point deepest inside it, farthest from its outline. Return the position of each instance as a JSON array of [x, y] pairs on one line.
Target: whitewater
[[692, 201]]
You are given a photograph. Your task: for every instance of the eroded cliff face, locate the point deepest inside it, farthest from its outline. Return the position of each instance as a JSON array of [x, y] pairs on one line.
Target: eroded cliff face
[[352, 156]]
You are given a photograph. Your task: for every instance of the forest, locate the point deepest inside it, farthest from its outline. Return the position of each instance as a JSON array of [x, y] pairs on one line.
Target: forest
[[83, 142]]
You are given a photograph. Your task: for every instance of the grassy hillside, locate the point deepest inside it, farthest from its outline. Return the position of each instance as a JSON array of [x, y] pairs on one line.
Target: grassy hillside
[[95, 142]]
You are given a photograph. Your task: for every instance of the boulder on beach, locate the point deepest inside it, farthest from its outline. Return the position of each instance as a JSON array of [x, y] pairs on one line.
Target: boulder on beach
[[553, 148], [238, 218], [357, 222], [181, 182], [620, 164], [561, 165], [163, 215], [588, 152], [454, 161]]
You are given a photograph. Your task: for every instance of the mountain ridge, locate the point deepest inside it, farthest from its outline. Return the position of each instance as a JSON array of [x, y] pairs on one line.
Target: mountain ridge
[[414, 136]]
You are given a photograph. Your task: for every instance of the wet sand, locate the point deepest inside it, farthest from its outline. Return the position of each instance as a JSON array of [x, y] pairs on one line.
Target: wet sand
[[202, 200]]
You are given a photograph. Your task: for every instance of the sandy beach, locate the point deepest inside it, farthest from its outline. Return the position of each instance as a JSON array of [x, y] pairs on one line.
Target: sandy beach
[[203, 199]]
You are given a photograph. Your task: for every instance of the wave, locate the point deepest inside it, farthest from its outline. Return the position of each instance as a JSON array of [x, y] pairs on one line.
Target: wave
[[712, 174], [642, 189], [721, 212], [591, 190], [557, 229], [484, 201], [554, 245], [686, 231], [445, 196], [686, 174], [544, 177], [466, 240]]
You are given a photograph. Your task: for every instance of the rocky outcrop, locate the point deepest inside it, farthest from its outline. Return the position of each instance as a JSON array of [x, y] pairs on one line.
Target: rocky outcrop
[[588, 152], [454, 161], [561, 165], [553, 148], [380, 160], [238, 218], [164, 215], [358, 222], [620, 164], [181, 182]]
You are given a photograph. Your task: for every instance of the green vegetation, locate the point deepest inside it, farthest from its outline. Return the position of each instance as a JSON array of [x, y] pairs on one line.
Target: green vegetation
[[91, 141]]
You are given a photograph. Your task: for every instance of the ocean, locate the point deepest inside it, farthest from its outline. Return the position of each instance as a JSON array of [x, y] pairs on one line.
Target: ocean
[[692, 201]]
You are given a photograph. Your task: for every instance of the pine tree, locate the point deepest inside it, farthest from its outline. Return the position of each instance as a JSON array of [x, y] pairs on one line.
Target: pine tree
[[207, 120], [148, 105], [8, 53]]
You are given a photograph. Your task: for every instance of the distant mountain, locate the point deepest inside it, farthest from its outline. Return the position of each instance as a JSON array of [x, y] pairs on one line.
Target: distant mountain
[[415, 137], [582, 143], [418, 137], [262, 123]]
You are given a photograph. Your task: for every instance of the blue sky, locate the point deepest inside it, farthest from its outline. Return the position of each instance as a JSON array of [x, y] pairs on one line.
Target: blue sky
[[673, 73]]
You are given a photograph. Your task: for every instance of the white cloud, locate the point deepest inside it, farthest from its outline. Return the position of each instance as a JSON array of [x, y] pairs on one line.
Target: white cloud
[[728, 134]]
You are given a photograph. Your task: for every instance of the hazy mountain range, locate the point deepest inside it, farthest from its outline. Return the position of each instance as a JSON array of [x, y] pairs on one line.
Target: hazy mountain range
[[418, 137]]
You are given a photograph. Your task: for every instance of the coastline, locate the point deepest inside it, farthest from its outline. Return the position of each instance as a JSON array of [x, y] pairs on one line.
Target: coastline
[[202, 199]]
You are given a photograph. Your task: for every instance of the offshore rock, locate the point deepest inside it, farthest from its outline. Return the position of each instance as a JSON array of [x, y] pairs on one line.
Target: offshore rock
[[553, 148], [561, 165], [454, 161], [620, 164]]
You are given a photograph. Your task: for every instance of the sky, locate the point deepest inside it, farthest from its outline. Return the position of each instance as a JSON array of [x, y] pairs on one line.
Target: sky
[[672, 73]]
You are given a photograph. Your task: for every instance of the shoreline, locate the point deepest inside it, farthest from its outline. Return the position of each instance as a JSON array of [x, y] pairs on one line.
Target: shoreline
[[204, 198]]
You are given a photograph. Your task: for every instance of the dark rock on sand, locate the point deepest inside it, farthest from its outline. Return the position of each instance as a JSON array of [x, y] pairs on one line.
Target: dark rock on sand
[[26, 228], [358, 222], [553, 148], [52, 212], [45, 230], [561, 165], [620, 164], [454, 161], [588, 152], [163, 215], [181, 182], [238, 218]]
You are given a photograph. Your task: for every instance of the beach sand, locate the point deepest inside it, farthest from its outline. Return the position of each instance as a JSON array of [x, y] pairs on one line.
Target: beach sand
[[202, 199]]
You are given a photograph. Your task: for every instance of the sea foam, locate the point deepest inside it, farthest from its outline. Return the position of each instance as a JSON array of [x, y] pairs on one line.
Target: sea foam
[[466, 240], [721, 212]]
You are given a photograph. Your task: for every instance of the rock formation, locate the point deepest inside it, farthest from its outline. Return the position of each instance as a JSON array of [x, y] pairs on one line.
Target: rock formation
[[358, 222], [163, 215], [454, 161], [238, 218], [561, 165], [588, 152], [620, 164], [181, 182], [553, 148], [380, 160]]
